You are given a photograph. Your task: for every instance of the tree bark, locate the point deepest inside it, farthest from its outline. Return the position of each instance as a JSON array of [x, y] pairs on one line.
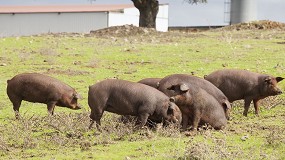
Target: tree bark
[[148, 11]]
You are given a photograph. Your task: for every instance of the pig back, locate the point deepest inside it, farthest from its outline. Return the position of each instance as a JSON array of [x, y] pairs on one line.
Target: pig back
[[125, 96], [236, 84], [153, 82], [36, 87], [174, 79]]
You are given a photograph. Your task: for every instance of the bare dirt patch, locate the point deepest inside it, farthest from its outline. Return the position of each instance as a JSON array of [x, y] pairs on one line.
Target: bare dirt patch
[[122, 31], [256, 25], [4, 61], [132, 34]]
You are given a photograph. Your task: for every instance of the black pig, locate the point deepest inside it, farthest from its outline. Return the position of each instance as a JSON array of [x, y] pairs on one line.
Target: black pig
[[198, 106], [35, 87], [189, 80], [241, 84], [130, 98]]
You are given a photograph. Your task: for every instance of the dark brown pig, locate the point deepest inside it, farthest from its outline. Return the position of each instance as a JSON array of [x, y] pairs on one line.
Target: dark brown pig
[[241, 84], [153, 82], [34, 87], [197, 106], [130, 98], [174, 79]]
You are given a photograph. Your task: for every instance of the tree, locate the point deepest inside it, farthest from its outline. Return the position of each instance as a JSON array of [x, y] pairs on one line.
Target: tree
[[148, 11], [149, 8]]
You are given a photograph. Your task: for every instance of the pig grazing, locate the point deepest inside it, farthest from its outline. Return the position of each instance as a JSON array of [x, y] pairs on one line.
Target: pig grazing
[[189, 80], [130, 98], [153, 82], [34, 87], [198, 106], [241, 84]]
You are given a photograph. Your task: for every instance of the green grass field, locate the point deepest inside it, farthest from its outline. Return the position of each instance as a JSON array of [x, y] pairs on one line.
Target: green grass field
[[83, 60]]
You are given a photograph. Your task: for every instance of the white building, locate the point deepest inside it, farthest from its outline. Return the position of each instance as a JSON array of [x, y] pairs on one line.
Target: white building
[[32, 20]]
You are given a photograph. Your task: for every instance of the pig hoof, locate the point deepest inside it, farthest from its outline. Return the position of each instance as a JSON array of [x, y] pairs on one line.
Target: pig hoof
[[191, 133]]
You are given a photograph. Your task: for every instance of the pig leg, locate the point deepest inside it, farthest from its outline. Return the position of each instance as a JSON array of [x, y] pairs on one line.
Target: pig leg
[[92, 119], [16, 106], [246, 106], [185, 120], [256, 106], [91, 124], [50, 107], [96, 116], [142, 119], [196, 120], [16, 101]]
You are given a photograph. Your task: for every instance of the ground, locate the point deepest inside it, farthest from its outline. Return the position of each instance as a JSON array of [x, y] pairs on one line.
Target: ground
[[133, 53]]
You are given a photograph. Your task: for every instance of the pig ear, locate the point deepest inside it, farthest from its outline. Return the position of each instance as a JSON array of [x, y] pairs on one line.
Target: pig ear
[[170, 109], [278, 79], [184, 87], [77, 96], [180, 87], [227, 105]]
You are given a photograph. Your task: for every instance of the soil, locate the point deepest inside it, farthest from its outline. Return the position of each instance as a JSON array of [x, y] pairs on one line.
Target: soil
[[131, 30], [256, 25], [122, 31]]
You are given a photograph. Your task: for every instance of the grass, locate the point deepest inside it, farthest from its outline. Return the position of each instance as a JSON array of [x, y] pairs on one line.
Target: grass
[[81, 61]]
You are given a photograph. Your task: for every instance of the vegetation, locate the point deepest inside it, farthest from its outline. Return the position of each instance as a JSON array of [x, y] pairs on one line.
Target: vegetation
[[82, 60], [148, 11]]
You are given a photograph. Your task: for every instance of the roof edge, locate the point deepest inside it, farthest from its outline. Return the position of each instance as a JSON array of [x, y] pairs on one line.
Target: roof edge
[[63, 8]]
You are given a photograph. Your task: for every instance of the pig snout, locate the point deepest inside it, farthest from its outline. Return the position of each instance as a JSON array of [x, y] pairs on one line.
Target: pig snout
[[77, 107], [277, 91]]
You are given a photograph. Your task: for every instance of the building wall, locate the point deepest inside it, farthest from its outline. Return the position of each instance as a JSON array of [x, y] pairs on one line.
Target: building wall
[[118, 19], [162, 18], [26, 24]]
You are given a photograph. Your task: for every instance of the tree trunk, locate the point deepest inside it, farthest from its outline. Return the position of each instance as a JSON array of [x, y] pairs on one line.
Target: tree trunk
[[148, 10]]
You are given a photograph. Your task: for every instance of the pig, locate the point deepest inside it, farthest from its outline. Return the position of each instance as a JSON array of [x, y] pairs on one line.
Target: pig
[[198, 106], [130, 98], [35, 87], [174, 79], [153, 82], [242, 84]]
